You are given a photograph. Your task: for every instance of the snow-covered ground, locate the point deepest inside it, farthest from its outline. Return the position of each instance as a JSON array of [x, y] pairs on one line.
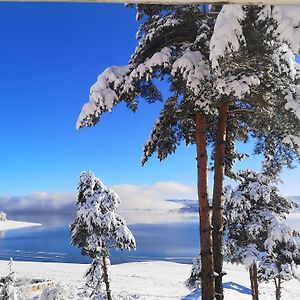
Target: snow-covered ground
[[8, 225], [150, 280]]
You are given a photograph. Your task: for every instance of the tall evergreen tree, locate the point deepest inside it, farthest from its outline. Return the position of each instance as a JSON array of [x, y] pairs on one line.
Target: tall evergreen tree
[[173, 44], [253, 61], [97, 229]]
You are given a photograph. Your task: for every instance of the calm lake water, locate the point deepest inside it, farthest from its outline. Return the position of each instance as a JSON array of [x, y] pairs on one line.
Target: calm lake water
[[177, 242]]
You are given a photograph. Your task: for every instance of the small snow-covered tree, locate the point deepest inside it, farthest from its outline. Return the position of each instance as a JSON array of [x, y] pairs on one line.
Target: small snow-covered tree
[[97, 229], [3, 216], [255, 214], [194, 282], [8, 290], [283, 255]]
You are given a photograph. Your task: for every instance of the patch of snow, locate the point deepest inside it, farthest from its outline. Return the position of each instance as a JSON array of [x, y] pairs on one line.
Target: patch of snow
[[8, 225]]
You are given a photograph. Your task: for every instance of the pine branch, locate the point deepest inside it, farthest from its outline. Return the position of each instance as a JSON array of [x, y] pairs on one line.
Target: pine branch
[[241, 111]]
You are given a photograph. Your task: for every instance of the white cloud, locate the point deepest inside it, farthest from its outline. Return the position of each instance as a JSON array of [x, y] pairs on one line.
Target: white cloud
[[140, 203], [147, 203], [37, 202]]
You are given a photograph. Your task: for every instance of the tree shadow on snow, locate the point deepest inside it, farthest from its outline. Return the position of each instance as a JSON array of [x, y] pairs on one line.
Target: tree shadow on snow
[[237, 287], [196, 294]]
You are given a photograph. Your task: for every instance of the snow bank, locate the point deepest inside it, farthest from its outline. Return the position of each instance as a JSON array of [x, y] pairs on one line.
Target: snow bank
[[8, 225]]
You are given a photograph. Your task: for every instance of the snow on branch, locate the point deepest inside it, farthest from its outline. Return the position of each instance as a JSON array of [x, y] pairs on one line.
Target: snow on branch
[[292, 97], [278, 231], [293, 141], [238, 85], [162, 23], [285, 61], [283, 23], [145, 70], [288, 23], [228, 34], [103, 95], [293, 100], [115, 82], [193, 68]]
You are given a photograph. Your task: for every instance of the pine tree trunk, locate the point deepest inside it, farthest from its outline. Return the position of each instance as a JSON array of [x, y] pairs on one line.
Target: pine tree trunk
[[251, 282], [254, 281], [278, 288], [105, 278], [217, 219], [207, 279]]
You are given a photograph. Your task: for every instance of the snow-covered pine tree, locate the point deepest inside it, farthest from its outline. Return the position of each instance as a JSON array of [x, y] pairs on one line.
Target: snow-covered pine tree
[[252, 58], [252, 210], [188, 111], [283, 255], [97, 229]]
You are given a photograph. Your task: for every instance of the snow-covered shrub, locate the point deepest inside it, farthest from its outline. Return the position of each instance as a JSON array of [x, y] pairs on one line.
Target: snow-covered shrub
[[194, 281], [3, 216], [97, 229], [8, 289], [57, 292]]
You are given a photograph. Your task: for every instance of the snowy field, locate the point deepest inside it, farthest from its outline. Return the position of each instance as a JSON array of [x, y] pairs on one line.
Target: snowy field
[[8, 225], [149, 280]]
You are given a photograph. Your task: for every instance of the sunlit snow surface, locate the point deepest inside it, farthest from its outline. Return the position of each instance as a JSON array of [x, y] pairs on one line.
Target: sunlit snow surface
[[151, 280]]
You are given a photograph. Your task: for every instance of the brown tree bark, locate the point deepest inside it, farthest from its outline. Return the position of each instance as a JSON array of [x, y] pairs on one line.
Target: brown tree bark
[[217, 218], [251, 282], [254, 281], [207, 271], [278, 288], [105, 278]]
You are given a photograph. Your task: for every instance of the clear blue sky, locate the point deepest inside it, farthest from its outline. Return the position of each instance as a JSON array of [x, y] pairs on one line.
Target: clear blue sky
[[50, 55]]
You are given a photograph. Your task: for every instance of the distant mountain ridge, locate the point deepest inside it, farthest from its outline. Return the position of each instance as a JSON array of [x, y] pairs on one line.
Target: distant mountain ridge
[[294, 198], [191, 206]]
